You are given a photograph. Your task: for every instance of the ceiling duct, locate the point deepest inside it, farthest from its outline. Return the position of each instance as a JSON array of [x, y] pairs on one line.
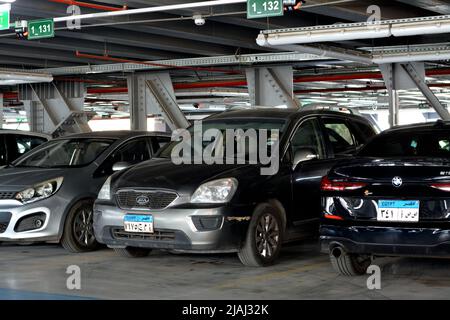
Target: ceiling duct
[[9, 78], [356, 31]]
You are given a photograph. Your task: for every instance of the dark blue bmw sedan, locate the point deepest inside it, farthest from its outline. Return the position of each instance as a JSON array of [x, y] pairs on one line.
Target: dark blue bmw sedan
[[393, 199]]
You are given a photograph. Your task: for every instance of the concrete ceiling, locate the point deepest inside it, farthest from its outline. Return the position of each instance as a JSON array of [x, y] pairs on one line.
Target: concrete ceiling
[[175, 35]]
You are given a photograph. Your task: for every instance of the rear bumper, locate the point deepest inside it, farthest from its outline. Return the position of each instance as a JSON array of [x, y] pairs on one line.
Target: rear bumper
[[174, 229], [387, 241]]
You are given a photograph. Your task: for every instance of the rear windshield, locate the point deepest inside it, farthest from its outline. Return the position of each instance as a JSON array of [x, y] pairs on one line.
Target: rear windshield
[[404, 144]]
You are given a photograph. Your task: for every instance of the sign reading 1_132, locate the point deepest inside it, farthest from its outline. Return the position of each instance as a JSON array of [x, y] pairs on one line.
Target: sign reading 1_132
[[39, 29], [264, 8]]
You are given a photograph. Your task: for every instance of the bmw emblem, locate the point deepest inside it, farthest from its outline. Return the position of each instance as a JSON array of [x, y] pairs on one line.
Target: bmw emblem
[[142, 200], [397, 182]]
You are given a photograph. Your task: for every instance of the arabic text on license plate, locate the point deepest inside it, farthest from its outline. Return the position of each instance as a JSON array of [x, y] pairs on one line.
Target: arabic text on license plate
[[138, 223], [398, 210]]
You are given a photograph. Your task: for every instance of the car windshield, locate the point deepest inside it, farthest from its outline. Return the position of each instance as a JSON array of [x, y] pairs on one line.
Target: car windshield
[[274, 128], [409, 144], [66, 153]]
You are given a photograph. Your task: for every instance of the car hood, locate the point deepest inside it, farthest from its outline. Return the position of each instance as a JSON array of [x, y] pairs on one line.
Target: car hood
[[163, 174], [15, 179]]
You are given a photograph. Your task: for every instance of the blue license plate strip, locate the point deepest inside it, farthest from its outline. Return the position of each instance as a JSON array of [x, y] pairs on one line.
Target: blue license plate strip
[[399, 204], [138, 218]]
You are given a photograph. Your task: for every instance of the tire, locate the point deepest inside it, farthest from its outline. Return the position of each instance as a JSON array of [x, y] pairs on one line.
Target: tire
[[349, 265], [132, 252], [78, 233], [262, 245]]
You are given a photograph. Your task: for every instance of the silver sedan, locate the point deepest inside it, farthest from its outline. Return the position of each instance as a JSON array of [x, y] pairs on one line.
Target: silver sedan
[[48, 194]]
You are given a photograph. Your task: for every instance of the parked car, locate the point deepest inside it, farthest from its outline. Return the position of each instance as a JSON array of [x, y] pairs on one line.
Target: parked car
[[393, 199], [15, 143], [224, 207], [48, 194]]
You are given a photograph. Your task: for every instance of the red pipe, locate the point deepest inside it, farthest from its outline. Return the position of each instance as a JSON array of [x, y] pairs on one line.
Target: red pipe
[[10, 95], [180, 86], [339, 77], [374, 88], [14, 95], [241, 83], [210, 84], [107, 90], [108, 58], [360, 75], [89, 5], [329, 90]]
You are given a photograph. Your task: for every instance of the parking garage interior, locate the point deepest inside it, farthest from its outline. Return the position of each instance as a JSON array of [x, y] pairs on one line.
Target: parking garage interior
[[157, 66]]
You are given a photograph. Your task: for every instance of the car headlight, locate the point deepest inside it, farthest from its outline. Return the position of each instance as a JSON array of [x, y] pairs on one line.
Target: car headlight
[[105, 191], [216, 191], [40, 191]]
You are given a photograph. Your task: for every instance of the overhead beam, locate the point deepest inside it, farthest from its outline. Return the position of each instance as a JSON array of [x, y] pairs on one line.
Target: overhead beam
[[67, 44], [438, 6], [426, 91], [146, 40], [7, 60], [41, 54]]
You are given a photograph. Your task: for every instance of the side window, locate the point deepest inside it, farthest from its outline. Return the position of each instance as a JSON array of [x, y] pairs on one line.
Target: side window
[[340, 136], [20, 144], [26, 143], [307, 138], [158, 143], [366, 131], [133, 152]]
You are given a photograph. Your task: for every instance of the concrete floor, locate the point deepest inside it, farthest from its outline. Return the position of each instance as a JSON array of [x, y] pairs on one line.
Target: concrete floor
[[39, 272]]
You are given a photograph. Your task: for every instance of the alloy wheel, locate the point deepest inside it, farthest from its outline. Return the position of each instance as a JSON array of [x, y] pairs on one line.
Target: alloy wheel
[[267, 235], [83, 227]]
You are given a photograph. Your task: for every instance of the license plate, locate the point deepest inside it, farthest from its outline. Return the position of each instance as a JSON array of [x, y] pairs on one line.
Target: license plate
[[138, 223], [398, 210]]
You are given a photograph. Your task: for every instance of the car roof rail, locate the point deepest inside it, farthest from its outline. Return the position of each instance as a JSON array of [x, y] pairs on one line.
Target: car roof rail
[[440, 123], [329, 108]]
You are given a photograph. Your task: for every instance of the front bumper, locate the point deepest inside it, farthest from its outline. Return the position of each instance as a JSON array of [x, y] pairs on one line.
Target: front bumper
[[174, 229], [387, 241], [14, 214]]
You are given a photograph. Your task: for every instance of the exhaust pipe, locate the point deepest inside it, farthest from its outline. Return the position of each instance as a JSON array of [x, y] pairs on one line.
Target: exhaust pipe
[[337, 251]]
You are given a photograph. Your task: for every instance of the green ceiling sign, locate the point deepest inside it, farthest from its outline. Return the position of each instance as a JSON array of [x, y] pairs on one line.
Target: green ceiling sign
[[264, 8], [39, 29], [4, 16]]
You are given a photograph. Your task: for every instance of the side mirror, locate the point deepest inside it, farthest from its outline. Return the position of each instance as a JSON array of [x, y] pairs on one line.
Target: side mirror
[[302, 155], [119, 166]]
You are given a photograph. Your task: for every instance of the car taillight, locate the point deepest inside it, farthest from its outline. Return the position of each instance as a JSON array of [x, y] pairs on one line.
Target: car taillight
[[330, 185], [441, 186], [332, 217]]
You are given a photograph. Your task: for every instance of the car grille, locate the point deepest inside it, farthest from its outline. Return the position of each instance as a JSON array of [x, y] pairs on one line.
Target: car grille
[[130, 199], [158, 235], [5, 217], [3, 226], [7, 195]]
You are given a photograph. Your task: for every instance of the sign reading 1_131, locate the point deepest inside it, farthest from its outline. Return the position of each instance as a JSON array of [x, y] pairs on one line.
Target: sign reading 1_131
[[39, 29], [264, 8]]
